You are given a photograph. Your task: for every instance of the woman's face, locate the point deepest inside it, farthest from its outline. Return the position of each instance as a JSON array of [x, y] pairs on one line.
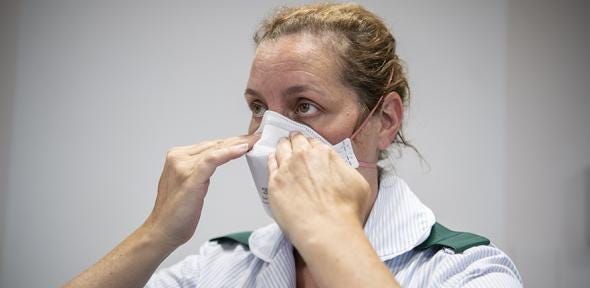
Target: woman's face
[[298, 77]]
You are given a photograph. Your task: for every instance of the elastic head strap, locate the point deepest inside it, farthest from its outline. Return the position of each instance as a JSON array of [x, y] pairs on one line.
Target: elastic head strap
[[374, 108], [367, 118], [367, 164], [364, 163]]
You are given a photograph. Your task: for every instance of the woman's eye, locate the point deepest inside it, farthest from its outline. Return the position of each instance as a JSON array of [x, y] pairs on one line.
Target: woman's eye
[[306, 109], [258, 109]]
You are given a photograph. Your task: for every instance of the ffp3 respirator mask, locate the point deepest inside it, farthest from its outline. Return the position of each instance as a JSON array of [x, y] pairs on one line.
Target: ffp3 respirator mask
[[275, 126]]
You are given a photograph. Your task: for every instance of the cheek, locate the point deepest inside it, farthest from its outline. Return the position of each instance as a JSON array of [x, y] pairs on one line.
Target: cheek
[[366, 141], [335, 136], [338, 128]]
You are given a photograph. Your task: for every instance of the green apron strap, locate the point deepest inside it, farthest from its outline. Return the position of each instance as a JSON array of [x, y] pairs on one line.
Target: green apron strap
[[239, 237], [441, 236]]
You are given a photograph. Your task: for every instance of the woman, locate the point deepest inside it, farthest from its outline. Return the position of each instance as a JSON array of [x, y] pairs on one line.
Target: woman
[[332, 67]]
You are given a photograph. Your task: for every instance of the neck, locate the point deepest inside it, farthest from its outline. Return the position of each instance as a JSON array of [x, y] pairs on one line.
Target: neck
[[372, 176], [303, 277]]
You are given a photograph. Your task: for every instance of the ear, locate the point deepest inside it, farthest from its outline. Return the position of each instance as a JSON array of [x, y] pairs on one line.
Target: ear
[[391, 117]]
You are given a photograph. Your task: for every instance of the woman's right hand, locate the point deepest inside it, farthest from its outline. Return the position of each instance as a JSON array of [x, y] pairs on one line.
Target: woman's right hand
[[181, 191], [184, 183]]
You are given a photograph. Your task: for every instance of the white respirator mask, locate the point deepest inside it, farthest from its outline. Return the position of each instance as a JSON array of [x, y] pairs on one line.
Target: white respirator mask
[[275, 126]]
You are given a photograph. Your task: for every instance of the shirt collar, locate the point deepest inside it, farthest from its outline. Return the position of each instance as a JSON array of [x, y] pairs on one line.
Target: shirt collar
[[398, 222], [265, 242]]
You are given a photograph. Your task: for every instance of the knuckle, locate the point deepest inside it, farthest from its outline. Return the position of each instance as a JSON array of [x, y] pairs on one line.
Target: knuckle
[[321, 146], [299, 154], [205, 143], [278, 181], [331, 152], [183, 173], [211, 158], [176, 166], [179, 170], [172, 154]]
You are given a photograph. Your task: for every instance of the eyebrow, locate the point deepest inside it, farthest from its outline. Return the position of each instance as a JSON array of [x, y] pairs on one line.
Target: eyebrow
[[252, 92], [293, 90]]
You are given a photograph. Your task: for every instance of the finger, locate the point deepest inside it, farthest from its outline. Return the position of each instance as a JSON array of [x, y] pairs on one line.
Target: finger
[[272, 165], [324, 149], [283, 151], [199, 147], [213, 158], [299, 142], [227, 142], [316, 143]]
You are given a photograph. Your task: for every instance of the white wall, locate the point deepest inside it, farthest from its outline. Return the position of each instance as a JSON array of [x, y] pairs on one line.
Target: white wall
[[548, 140], [104, 88], [455, 51]]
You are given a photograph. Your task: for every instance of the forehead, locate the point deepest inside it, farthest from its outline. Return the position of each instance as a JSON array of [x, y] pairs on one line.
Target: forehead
[[300, 51]]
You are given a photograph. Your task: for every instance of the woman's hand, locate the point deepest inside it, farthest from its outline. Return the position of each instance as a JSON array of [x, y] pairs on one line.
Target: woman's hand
[[181, 191], [320, 203], [184, 183], [312, 188]]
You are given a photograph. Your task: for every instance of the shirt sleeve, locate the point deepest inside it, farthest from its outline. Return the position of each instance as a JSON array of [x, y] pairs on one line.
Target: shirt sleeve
[[182, 274], [216, 265], [477, 267]]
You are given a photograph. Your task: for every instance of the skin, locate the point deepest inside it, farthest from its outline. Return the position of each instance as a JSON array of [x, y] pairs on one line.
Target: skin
[[296, 76], [338, 197]]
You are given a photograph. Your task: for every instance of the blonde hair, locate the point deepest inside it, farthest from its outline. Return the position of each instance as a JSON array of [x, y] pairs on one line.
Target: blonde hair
[[370, 65]]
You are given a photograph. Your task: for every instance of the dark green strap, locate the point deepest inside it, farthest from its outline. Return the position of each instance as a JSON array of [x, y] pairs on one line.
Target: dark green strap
[[240, 237], [441, 236]]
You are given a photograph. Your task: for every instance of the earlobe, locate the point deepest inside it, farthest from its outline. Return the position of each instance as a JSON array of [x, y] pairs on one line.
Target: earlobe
[[392, 113]]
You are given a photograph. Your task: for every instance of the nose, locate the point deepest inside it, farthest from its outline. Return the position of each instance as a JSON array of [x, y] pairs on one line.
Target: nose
[[281, 108], [284, 113], [255, 125]]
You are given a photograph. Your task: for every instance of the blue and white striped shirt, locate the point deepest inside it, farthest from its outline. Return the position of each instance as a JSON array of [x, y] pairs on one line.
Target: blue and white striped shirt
[[397, 224]]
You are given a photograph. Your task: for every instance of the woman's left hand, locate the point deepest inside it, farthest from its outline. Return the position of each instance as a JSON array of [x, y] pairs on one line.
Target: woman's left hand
[[312, 189]]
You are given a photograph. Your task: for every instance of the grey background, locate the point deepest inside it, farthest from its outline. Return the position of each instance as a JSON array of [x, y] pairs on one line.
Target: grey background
[[93, 93]]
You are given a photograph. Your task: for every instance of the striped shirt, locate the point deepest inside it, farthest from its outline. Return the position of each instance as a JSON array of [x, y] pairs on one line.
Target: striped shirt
[[397, 224]]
